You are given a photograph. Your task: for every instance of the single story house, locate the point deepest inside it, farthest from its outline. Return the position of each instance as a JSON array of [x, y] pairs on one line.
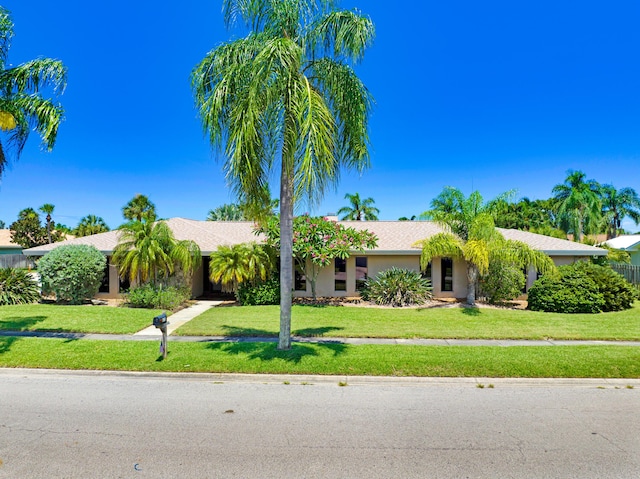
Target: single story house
[[628, 243], [6, 245], [395, 248]]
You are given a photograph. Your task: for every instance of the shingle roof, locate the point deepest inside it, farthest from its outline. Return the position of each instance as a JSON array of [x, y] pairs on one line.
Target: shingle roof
[[394, 237], [5, 240]]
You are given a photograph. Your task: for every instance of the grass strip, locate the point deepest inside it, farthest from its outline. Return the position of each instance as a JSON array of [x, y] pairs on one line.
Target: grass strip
[[79, 319], [333, 359], [444, 323]]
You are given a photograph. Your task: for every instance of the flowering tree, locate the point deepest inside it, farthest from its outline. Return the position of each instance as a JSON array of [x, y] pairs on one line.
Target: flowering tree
[[317, 242]]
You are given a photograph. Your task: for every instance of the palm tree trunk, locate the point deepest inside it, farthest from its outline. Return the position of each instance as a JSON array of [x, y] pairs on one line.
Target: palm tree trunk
[[49, 228], [286, 256], [472, 279]]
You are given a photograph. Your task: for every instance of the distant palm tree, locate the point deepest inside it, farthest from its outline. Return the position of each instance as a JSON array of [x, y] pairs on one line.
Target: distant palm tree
[[579, 207], [617, 205], [286, 96], [231, 212], [90, 225], [359, 209], [139, 208], [48, 209], [147, 250], [22, 107]]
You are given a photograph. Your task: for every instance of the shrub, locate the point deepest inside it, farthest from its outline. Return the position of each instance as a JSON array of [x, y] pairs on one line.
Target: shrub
[[157, 297], [503, 282], [18, 286], [72, 272], [617, 292], [397, 287], [570, 290], [261, 293]]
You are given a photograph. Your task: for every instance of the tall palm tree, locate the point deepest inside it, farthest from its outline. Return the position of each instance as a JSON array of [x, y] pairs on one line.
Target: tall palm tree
[[472, 235], [48, 209], [286, 94], [22, 106], [617, 205], [359, 209], [90, 225], [579, 206], [147, 250], [139, 208]]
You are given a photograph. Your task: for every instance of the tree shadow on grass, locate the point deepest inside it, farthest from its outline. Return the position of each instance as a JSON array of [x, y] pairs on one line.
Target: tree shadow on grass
[[315, 332], [269, 351], [6, 343], [20, 323], [236, 332], [471, 311]]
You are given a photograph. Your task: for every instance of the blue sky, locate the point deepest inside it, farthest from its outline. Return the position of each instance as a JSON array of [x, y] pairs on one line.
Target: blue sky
[[490, 96]]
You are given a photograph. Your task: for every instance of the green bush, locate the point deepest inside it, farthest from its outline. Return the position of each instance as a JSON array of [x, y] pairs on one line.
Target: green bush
[[18, 286], [157, 297], [617, 292], [570, 290], [72, 272], [397, 287], [503, 282], [261, 293]]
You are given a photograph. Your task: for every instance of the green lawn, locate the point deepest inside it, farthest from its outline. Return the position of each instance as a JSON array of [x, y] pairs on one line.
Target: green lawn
[[81, 319], [460, 323], [335, 359]]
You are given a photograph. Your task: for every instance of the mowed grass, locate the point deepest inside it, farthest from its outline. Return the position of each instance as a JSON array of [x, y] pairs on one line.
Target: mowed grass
[[81, 319], [450, 323], [326, 359]]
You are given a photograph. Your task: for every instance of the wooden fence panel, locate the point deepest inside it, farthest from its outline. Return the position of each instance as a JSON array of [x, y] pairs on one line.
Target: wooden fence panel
[[630, 272], [16, 261]]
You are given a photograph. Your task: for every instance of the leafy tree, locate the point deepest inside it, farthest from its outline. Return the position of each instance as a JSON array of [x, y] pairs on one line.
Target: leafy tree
[[240, 263], [48, 209], [62, 229], [359, 209], [90, 225], [616, 206], [286, 94], [147, 252], [404, 218], [317, 242], [72, 272], [139, 208], [579, 206], [2, 225], [474, 238], [231, 212], [22, 106], [27, 231], [504, 281]]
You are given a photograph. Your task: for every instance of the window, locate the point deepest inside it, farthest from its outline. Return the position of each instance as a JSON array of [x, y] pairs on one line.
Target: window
[[446, 267], [361, 272], [427, 272], [300, 280], [340, 274], [124, 284]]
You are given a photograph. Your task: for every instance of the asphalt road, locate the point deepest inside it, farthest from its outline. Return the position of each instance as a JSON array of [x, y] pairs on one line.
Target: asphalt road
[[77, 425]]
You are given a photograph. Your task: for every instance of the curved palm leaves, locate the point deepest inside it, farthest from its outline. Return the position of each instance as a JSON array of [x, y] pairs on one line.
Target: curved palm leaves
[[22, 108], [359, 209], [286, 94], [579, 207], [90, 225], [232, 265], [617, 205], [139, 208]]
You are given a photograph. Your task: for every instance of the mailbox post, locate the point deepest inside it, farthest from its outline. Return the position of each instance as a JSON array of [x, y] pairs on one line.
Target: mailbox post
[[161, 323]]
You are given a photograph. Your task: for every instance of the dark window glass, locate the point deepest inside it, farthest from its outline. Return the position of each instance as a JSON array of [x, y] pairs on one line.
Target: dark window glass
[[427, 272], [104, 286], [124, 284], [300, 281], [446, 266], [362, 271], [340, 274]]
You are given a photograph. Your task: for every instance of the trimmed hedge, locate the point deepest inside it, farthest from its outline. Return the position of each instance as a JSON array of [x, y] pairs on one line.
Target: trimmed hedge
[[157, 297], [261, 293]]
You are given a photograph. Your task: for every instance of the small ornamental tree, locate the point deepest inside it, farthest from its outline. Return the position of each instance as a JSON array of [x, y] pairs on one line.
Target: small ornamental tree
[[72, 272], [317, 242]]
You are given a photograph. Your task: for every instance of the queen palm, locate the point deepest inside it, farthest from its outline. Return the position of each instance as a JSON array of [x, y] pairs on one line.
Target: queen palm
[[90, 225], [359, 209], [232, 265], [48, 209], [286, 95], [147, 251], [22, 107], [617, 205], [579, 206], [471, 235]]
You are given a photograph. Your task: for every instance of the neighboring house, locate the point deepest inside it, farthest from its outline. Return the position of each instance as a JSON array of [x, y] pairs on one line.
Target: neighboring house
[[395, 248], [6, 245], [628, 243], [11, 253]]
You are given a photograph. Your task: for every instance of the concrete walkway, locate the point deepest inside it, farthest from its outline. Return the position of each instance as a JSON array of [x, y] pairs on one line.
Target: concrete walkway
[[178, 319]]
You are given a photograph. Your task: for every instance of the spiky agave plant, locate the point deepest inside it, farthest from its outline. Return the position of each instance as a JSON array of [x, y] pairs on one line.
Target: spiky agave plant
[[17, 286]]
